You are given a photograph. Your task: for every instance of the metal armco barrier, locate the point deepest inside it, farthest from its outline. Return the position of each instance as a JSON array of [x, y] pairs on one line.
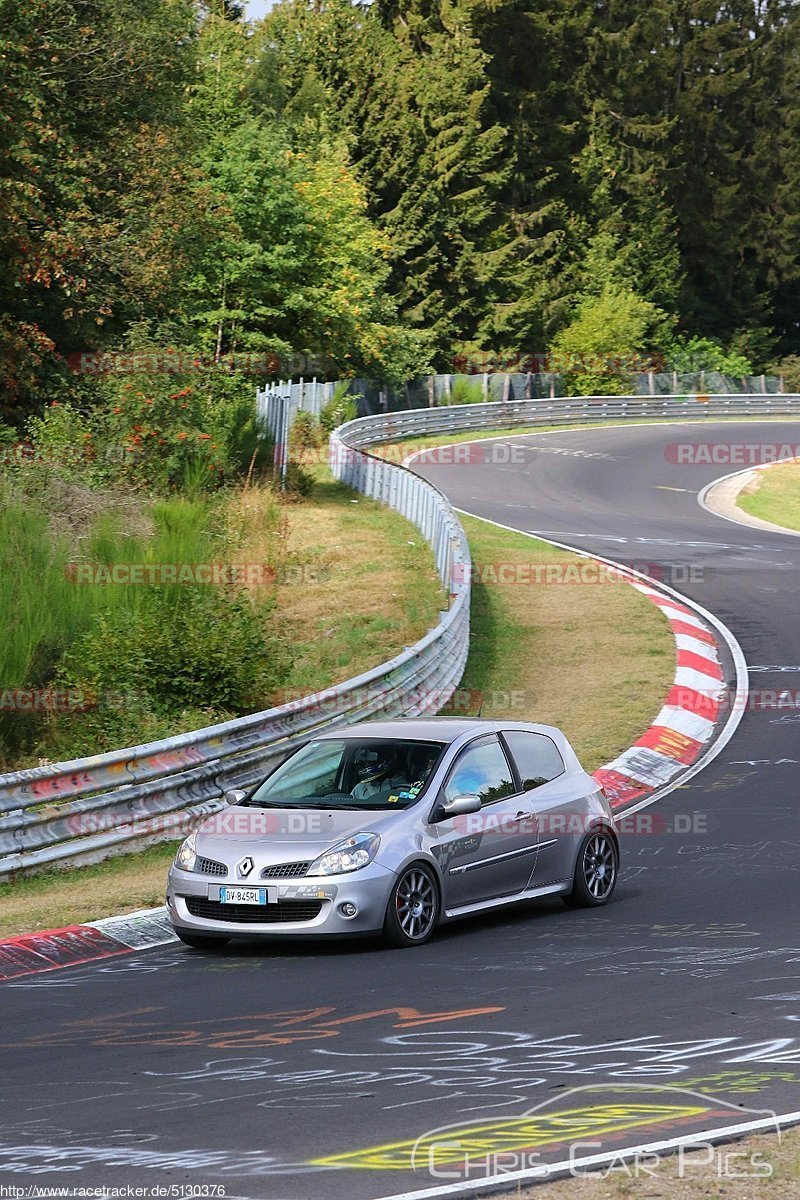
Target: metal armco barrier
[[83, 810], [424, 422]]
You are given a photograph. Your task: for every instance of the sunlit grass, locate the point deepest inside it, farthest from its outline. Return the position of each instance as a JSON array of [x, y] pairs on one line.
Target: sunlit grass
[[774, 496]]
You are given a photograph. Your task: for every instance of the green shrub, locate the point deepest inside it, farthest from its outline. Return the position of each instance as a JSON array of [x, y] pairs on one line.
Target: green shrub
[[595, 351], [789, 368], [306, 434], [155, 431], [341, 407], [692, 355], [466, 391], [298, 482], [62, 437], [227, 404], [193, 649]]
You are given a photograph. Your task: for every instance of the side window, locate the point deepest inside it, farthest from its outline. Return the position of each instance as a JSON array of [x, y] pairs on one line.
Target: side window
[[481, 771], [536, 756]]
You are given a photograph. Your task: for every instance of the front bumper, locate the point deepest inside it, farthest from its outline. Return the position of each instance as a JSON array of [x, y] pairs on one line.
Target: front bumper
[[307, 905]]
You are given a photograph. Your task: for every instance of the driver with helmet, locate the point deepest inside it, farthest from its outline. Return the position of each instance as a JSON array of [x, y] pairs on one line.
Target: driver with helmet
[[379, 774]]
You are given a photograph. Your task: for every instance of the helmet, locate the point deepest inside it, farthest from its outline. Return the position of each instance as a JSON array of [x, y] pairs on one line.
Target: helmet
[[372, 765]]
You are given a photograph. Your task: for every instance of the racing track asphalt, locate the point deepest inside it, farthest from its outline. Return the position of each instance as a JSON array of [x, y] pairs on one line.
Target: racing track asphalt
[[241, 1069]]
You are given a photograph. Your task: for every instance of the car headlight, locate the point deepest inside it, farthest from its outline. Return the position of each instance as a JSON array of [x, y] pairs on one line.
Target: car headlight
[[187, 855], [350, 855]]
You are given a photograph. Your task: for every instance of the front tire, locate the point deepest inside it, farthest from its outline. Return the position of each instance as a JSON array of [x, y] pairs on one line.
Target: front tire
[[201, 941], [413, 909], [596, 871]]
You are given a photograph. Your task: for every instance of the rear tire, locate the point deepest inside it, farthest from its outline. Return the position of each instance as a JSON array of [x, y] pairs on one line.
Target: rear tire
[[413, 909], [596, 871], [202, 941]]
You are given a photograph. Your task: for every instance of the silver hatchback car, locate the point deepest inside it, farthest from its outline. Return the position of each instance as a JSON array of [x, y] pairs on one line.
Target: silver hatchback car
[[393, 827]]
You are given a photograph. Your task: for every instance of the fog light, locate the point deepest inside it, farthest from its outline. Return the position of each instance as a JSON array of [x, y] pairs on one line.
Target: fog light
[[348, 909]]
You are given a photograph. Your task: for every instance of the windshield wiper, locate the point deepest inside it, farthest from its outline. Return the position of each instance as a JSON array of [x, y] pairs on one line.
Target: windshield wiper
[[262, 804], [325, 804]]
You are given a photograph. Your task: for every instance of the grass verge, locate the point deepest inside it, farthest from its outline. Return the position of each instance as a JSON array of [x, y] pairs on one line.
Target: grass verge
[[774, 496], [743, 1176], [368, 586], [56, 897], [596, 659]]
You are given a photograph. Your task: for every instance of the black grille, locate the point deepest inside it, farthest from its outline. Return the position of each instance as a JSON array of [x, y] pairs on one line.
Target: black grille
[[254, 914], [207, 866], [285, 870]]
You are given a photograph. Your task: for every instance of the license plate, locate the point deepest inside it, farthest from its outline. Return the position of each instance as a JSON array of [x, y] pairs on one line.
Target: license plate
[[243, 895]]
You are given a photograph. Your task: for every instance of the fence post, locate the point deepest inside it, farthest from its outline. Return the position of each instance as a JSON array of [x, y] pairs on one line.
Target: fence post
[[485, 386], [431, 392], [674, 383], [651, 383], [506, 387], [763, 385], [287, 403]]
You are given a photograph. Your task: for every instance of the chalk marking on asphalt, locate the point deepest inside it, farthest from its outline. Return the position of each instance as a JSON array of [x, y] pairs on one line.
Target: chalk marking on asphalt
[[566, 1167], [510, 1134]]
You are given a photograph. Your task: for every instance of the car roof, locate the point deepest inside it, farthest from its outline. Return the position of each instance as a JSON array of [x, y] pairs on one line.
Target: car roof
[[440, 729]]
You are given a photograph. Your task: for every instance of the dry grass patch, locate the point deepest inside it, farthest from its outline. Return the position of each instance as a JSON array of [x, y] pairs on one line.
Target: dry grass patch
[[68, 897], [595, 659], [774, 496], [358, 584]]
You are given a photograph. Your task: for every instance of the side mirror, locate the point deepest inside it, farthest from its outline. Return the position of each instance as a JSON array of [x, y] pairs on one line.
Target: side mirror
[[234, 796], [459, 806]]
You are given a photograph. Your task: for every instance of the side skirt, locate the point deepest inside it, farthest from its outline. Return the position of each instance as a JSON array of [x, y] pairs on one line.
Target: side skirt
[[551, 889]]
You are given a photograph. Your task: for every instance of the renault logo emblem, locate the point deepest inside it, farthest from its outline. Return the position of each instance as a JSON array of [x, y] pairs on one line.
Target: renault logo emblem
[[245, 867]]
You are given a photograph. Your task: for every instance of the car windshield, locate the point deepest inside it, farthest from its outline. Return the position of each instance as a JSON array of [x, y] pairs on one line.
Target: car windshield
[[356, 773]]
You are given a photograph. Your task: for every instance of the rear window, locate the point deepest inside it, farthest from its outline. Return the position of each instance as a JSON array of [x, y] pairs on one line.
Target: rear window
[[537, 757]]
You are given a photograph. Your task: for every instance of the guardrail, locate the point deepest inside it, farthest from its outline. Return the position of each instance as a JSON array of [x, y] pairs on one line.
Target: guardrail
[[506, 414], [83, 810]]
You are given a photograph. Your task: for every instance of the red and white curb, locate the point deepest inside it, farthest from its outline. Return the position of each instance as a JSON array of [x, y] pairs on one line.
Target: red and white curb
[[31, 953], [688, 720]]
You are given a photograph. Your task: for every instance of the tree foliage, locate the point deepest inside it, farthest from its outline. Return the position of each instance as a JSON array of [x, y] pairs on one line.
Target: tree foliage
[[382, 185]]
